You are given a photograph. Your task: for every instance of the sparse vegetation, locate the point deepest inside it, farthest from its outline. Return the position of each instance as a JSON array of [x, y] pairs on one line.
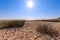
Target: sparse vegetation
[[16, 23], [13, 23], [47, 29], [53, 20], [58, 17]]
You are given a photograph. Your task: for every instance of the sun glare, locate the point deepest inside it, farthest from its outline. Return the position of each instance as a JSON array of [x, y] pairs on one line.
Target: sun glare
[[30, 4]]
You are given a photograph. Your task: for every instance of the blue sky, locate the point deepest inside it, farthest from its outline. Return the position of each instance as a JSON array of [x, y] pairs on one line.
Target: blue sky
[[17, 9]]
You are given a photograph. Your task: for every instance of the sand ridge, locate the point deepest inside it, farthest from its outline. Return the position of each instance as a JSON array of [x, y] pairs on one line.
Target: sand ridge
[[27, 32]]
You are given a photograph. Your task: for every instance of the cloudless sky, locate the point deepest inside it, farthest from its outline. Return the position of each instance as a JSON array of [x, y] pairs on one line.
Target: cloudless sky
[[17, 9]]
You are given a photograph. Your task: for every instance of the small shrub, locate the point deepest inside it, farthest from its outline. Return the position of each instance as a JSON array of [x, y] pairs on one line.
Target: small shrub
[[16, 23], [47, 29], [13, 23]]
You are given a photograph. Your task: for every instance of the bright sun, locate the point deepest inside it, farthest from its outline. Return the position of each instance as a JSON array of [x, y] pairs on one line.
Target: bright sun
[[30, 4]]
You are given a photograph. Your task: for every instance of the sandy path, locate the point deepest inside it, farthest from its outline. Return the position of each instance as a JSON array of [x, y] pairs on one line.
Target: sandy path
[[27, 32]]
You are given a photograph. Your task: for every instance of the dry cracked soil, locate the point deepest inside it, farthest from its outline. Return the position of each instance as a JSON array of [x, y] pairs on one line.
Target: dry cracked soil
[[27, 32]]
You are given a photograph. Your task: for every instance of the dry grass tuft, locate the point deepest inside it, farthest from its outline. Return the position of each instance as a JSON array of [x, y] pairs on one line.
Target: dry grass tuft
[[47, 29], [13, 23]]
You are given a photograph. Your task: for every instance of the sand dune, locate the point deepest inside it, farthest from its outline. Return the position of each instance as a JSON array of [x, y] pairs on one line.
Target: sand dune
[[27, 32]]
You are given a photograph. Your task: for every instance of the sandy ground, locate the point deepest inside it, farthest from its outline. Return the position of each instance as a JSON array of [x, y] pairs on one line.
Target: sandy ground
[[27, 32]]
